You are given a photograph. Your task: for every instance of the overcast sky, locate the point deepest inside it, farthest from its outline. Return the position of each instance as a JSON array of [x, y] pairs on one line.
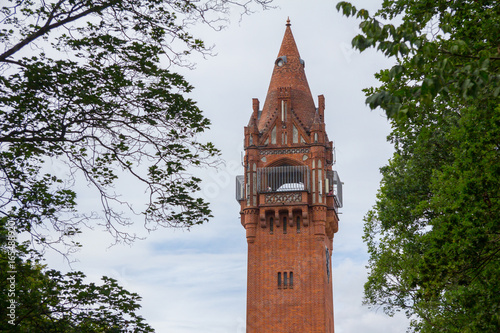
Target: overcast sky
[[195, 281]]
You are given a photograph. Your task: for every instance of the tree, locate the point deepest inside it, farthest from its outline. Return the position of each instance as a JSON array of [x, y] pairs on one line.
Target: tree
[[37, 299], [88, 86], [434, 234], [88, 94]]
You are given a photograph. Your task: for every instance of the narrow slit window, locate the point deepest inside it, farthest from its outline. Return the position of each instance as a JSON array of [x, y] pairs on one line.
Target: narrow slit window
[[290, 282], [285, 280], [284, 225], [279, 280], [328, 268], [273, 136], [271, 225], [298, 224]]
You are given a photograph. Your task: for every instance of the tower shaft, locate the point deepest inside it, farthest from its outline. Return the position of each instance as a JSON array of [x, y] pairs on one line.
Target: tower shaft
[[289, 198]]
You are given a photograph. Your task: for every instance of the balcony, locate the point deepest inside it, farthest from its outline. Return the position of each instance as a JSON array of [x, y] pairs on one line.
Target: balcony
[[284, 184], [283, 179]]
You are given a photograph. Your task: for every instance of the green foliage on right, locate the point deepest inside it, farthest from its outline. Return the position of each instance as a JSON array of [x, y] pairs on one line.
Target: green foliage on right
[[434, 234], [447, 48]]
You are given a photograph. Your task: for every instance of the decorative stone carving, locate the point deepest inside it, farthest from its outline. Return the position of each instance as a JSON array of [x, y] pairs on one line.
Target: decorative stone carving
[[285, 151], [283, 197]]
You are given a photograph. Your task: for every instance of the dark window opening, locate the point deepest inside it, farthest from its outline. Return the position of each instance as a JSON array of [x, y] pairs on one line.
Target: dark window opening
[[328, 269], [271, 225], [298, 224], [284, 226], [287, 281]]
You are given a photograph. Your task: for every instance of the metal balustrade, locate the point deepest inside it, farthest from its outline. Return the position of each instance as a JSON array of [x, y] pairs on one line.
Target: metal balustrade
[[240, 188], [283, 179], [291, 179], [334, 186]]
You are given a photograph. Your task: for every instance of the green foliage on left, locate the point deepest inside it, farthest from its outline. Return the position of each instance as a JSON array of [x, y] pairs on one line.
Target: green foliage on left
[[36, 299], [87, 87], [89, 99]]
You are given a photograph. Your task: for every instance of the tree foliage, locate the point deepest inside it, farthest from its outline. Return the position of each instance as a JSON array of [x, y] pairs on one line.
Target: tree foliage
[[36, 299], [89, 97], [88, 93], [447, 48], [434, 234]]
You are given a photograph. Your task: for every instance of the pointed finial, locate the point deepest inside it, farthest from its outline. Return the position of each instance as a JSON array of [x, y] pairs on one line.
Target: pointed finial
[[288, 22]]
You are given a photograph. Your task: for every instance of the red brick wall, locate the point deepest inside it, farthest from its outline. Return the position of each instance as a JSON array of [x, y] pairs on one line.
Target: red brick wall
[[308, 307]]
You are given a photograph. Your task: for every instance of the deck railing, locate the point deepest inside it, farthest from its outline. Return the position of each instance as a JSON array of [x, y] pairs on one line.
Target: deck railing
[[240, 188], [283, 179], [334, 186], [289, 179]]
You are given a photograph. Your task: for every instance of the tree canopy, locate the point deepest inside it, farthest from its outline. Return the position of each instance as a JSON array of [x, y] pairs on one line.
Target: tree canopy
[[90, 86], [434, 234], [37, 299], [90, 97]]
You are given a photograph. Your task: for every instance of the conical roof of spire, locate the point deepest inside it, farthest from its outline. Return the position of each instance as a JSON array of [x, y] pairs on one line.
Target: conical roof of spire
[[290, 74]]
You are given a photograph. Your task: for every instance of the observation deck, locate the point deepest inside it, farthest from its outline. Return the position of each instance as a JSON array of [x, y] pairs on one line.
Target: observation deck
[[290, 184]]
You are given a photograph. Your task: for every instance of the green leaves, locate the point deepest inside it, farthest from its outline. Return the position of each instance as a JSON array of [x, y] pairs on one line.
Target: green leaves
[[348, 9], [102, 106], [89, 102], [433, 234], [454, 58], [49, 301]]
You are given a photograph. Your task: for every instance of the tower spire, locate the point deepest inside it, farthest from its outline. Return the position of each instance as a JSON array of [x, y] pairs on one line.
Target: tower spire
[[288, 73]]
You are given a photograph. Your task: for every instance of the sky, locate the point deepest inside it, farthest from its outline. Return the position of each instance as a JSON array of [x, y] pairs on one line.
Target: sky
[[195, 281]]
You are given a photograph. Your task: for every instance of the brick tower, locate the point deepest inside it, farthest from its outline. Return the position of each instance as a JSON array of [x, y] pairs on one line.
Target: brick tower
[[289, 199]]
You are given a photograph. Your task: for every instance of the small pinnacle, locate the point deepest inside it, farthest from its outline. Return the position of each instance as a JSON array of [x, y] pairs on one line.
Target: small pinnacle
[[288, 22]]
